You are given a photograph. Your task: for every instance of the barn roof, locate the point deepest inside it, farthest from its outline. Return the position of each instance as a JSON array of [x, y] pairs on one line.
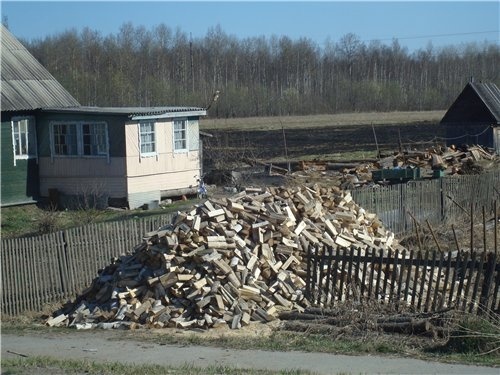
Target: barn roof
[[478, 102], [26, 84], [490, 95]]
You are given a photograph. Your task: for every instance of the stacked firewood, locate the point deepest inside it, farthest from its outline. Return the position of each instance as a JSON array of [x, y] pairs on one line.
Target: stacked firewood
[[452, 160], [226, 262]]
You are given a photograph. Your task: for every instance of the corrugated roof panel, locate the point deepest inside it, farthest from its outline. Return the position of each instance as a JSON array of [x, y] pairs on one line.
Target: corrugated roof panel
[[26, 84], [135, 111], [490, 95]]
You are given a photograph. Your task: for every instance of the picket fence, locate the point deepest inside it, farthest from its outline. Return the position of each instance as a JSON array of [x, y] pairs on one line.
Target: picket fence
[[437, 201], [36, 271], [55, 267], [426, 282]]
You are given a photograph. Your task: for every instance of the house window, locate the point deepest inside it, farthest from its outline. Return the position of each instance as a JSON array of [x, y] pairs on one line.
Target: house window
[[180, 135], [24, 137], [79, 139], [94, 139], [65, 139], [147, 138]]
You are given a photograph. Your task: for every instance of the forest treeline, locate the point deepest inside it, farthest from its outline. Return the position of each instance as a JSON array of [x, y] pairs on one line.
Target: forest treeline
[[259, 76]]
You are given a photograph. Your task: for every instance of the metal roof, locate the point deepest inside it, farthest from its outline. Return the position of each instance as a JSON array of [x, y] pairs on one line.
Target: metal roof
[[490, 95], [26, 84], [135, 113]]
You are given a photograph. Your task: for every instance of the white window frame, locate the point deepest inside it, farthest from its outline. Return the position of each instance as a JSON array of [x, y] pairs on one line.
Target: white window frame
[[79, 139], [184, 121], [29, 138], [154, 142], [95, 136]]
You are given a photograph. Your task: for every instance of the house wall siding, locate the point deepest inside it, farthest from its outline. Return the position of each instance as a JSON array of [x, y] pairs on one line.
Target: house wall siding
[[167, 170], [19, 183], [73, 176]]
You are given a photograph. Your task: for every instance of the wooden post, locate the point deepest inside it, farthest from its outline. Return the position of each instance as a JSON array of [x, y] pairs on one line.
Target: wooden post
[[455, 237], [484, 229], [416, 230], [496, 227], [471, 227], [433, 235], [376, 142]]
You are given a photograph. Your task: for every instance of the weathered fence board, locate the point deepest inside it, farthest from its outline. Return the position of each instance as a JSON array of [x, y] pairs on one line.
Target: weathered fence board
[[53, 267], [427, 281], [437, 201]]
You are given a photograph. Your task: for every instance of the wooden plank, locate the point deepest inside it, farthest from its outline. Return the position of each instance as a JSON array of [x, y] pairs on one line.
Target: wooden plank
[[479, 274], [379, 274], [349, 281], [321, 274], [431, 280], [394, 275], [408, 276], [438, 281], [356, 274], [416, 277], [363, 275], [400, 277], [470, 267], [372, 273], [308, 274], [462, 274], [330, 290], [386, 269], [487, 283], [446, 279], [342, 273], [335, 275], [423, 280]]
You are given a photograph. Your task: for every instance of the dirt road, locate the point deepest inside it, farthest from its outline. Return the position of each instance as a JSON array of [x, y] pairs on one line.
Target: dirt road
[[104, 347]]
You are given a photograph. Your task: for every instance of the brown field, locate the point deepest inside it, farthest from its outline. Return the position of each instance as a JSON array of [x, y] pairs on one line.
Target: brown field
[[325, 137]]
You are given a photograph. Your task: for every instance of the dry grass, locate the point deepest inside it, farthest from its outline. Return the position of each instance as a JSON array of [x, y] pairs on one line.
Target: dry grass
[[317, 121]]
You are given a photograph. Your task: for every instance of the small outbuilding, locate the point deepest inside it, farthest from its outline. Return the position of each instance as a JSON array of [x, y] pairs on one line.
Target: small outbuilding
[[474, 117]]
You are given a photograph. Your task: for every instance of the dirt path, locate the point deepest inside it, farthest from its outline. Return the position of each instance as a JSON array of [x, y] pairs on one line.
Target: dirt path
[[108, 347]]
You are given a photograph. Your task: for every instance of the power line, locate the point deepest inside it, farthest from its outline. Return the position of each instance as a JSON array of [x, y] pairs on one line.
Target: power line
[[434, 35]]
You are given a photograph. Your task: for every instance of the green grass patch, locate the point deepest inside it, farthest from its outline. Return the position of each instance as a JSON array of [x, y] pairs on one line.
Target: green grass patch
[[33, 220], [47, 365]]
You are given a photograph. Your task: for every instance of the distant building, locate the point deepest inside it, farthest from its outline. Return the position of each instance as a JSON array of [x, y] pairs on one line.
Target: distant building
[[474, 117], [52, 147]]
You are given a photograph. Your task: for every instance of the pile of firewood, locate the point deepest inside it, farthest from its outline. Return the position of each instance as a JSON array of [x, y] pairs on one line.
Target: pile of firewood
[[226, 262], [451, 160]]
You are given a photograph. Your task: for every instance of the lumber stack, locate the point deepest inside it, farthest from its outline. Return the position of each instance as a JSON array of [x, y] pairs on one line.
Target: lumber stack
[[225, 262]]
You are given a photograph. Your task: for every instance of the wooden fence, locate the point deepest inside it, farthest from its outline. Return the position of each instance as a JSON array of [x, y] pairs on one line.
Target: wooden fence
[[438, 201], [427, 281], [54, 267]]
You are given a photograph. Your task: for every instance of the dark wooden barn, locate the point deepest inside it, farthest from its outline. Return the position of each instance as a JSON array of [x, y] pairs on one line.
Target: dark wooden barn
[[474, 117]]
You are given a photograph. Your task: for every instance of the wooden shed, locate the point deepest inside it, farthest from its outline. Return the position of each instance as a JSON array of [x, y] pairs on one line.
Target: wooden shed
[[474, 117]]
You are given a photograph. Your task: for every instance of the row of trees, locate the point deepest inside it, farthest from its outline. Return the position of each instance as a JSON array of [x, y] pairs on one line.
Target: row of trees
[[261, 75]]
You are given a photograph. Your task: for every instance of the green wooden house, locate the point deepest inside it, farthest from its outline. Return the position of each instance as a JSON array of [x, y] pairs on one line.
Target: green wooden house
[[52, 147], [27, 87]]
